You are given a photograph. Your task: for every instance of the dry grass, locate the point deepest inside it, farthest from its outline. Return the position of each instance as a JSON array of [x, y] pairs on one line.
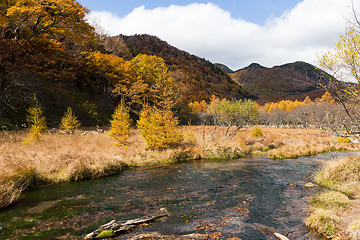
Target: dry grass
[[331, 200], [324, 222], [341, 175], [326, 209], [354, 230], [60, 157]]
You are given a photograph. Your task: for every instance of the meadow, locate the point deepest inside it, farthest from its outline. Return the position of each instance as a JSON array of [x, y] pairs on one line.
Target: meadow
[[90, 154]]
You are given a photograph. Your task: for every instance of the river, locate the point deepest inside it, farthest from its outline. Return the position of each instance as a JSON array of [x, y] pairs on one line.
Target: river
[[245, 198]]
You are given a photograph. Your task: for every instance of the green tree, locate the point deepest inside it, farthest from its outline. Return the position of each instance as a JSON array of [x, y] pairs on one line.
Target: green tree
[[69, 121], [234, 113], [36, 122], [159, 128], [237, 113], [120, 124]]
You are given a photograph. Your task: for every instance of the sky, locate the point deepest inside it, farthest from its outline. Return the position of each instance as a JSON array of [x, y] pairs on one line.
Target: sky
[[235, 33]]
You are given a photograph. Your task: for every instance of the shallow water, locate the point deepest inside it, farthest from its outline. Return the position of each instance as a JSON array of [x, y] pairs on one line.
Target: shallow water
[[245, 198]]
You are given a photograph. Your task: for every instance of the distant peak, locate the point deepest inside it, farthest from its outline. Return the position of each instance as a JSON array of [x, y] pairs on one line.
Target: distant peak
[[255, 65]]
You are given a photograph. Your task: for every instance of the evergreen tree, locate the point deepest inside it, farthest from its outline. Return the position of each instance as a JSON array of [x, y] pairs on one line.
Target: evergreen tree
[[36, 122], [69, 121], [159, 128], [120, 124]]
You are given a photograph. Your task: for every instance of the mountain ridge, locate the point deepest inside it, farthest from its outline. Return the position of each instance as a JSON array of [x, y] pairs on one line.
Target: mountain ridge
[[288, 81], [198, 79]]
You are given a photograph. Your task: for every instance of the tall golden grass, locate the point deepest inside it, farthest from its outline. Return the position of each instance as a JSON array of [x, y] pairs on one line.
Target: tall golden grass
[[61, 157]]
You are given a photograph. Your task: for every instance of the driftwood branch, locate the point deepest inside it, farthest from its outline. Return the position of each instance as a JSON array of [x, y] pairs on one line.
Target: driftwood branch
[[116, 228], [155, 235]]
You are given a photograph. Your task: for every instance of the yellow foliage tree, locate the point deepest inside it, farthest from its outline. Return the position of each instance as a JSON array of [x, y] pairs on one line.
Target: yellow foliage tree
[[36, 122], [343, 62], [154, 72], [327, 98], [159, 128], [120, 124], [69, 121]]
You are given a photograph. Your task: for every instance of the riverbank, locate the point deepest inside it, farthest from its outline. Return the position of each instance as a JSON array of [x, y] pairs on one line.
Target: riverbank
[[91, 154], [335, 212]]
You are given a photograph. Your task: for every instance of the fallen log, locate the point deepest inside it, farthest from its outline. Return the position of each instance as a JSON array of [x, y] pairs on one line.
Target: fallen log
[[115, 228]]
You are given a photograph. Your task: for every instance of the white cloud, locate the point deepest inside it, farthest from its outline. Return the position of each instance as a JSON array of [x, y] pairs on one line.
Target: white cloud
[[208, 31]]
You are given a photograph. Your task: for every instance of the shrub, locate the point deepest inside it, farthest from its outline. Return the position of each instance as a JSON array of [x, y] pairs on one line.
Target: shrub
[[107, 233], [257, 132], [342, 140], [36, 122], [69, 121], [159, 128], [189, 138], [120, 125]]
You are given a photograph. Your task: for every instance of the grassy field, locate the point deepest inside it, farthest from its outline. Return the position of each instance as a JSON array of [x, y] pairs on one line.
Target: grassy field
[[91, 154]]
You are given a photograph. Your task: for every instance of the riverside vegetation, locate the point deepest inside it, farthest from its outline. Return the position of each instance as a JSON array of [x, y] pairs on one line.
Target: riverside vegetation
[[91, 154]]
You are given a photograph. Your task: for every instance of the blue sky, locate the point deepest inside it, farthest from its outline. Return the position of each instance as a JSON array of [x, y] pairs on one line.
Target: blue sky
[[256, 11], [235, 33]]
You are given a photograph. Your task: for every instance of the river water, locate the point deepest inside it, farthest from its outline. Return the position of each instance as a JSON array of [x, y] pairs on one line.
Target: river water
[[246, 198]]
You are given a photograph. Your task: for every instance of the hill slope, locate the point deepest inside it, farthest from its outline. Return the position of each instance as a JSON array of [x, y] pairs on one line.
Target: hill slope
[[197, 78], [290, 81]]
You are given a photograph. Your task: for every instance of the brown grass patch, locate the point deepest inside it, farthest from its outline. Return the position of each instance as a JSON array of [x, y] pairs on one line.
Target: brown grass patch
[[60, 157]]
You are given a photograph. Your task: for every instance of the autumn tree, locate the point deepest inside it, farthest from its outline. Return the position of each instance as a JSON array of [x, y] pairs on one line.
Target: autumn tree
[[238, 113], [235, 113], [159, 128], [36, 122], [114, 77], [344, 63], [120, 124], [34, 34], [154, 72], [69, 121]]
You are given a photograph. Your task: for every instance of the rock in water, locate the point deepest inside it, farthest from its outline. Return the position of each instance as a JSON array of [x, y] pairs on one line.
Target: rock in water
[[279, 236], [309, 185]]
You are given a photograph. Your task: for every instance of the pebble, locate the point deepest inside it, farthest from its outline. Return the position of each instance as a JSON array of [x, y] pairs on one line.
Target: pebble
[[309, 185]]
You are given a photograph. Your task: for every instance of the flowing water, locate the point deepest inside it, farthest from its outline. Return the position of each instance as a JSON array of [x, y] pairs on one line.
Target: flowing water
[[245, 198]]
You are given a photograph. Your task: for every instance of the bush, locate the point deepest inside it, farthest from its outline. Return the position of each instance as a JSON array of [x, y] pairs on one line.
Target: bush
[[159, 128], [69, 121], [120, 125], [342, 140], [257, 132]]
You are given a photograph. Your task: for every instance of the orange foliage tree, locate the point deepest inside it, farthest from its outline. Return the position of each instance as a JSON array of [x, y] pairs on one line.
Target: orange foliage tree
[[34, 34], [113, 75]]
